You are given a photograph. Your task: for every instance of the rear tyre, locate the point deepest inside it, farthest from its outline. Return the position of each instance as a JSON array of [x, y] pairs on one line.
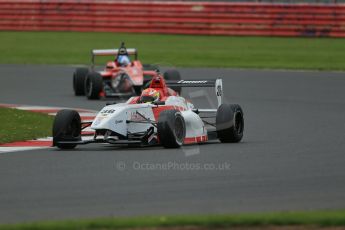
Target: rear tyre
[[93, 85], [79, 76], [171, 129], [229, 123], [173, 75], [66, 127]]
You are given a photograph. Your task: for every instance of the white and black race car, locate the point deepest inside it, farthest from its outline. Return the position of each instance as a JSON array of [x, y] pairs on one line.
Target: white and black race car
[[171, 122]]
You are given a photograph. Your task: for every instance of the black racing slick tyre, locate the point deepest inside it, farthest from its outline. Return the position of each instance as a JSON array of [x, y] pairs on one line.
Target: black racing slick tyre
[[171, 129], [66, 127], [79, 76], [175, 76], [229, 123], [93, 85]]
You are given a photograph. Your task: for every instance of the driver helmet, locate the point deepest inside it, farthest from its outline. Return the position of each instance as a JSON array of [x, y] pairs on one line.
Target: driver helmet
[[149, 95], [122, 57], [123, 60]]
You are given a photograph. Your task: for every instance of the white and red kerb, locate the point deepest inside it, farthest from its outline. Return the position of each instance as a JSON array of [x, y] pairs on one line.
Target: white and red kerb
[[86, 115]]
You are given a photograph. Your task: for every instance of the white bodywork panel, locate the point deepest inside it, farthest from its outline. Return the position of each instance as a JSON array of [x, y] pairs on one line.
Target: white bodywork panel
[[219, 91], [194, 125], [114, 117]]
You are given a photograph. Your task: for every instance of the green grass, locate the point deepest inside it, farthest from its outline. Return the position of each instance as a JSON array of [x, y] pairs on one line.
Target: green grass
[[177, 50], [323, 219], [18, 125]]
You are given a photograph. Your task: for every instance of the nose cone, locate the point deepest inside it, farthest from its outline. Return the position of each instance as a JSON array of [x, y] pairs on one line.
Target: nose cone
[[111, 117]]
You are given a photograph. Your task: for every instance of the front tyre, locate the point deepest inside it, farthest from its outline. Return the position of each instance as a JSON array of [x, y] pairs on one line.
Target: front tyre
[[93, 85], [229, 123], [171, 129], [79, 76], [66, 127]]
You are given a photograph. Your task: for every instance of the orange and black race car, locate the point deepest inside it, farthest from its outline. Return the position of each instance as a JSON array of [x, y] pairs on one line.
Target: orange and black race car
[[122, 77]]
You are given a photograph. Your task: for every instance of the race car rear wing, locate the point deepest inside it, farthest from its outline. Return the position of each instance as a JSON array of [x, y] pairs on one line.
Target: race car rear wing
[[111, 52], [216, 83]]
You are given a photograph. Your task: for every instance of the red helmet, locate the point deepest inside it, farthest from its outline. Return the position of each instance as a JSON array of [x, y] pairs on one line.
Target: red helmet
[[149, 95]]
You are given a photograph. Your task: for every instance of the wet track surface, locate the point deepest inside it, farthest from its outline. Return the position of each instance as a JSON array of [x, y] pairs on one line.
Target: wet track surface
[[292, 156]]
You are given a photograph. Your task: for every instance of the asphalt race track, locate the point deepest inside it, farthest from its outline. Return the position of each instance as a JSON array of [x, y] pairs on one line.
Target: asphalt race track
[[292, 156]]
